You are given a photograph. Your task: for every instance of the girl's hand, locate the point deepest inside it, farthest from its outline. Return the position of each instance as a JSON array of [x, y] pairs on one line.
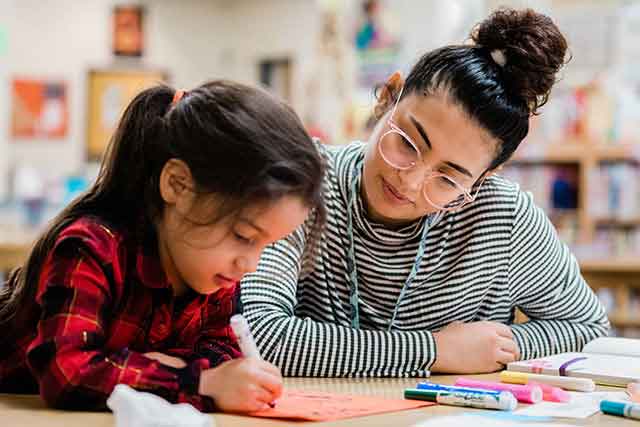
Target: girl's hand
[[474, 348], [174, 362], [242, 385]]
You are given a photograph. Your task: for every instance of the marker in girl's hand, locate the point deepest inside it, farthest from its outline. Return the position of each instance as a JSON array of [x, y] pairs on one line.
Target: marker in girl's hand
[[246, 342]]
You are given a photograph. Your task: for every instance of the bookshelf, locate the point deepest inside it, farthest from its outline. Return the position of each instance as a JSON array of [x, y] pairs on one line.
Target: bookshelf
[[614, 274]]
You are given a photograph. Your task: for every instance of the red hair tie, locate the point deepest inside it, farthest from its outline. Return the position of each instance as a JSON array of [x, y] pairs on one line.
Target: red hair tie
[[177, 96]]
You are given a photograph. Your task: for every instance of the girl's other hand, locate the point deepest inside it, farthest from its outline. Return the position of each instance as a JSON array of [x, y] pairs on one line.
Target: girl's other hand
[[165, 359], [242, 385]]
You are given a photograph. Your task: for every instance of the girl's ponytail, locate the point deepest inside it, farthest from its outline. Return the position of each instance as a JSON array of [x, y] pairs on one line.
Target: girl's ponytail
[[115, 195]]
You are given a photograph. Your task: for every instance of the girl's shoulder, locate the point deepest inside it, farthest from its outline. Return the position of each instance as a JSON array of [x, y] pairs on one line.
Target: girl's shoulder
[[103, 246], [100, 237]]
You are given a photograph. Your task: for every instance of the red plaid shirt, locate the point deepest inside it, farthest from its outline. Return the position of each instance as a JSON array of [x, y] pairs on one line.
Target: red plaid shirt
[[102, 301]]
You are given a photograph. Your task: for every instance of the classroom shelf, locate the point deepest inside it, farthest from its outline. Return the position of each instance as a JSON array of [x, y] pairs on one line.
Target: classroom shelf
[[620, 274], [627, 265], [570, 152], [616, 153], [578, 152], [617, 222], [624, 320]]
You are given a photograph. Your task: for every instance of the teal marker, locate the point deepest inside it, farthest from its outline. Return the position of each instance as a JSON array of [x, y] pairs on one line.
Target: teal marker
[[621, 409], [504, 401]]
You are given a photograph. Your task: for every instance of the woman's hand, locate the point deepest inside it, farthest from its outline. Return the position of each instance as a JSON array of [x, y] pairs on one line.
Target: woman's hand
[[242, 385], [474, 348]]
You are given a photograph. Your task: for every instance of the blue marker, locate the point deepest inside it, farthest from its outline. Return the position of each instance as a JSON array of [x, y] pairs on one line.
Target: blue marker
[[452, 389], [622, 409], [503, 401]]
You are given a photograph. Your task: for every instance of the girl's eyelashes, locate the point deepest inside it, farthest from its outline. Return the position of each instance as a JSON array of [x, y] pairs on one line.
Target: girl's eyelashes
[[243, 239]]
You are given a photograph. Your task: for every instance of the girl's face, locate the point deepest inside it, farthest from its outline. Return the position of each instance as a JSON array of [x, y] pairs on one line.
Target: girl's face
[[449, 143], [207, 258]]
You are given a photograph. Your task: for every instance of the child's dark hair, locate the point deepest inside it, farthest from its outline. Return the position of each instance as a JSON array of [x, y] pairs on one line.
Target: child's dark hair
[[240, 143], [501, 79]]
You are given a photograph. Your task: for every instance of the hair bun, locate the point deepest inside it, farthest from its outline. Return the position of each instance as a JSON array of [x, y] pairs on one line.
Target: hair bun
[[533, 47]]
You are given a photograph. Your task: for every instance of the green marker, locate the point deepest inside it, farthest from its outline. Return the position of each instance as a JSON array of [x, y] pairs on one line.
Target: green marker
[[621, 409]]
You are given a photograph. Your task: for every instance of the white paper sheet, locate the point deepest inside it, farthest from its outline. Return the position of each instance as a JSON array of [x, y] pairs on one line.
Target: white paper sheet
[[494, 420], [582, 405]]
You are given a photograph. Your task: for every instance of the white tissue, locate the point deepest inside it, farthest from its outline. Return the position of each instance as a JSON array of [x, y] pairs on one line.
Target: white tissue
[[133, 408]]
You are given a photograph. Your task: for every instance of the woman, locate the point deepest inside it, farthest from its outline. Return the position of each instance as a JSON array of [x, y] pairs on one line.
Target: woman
[[426, 253]]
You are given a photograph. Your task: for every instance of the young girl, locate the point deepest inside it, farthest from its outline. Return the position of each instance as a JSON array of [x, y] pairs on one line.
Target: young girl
[[136, 280], [427, 254]]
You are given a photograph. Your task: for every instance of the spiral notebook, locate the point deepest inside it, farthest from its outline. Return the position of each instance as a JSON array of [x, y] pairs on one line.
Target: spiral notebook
[[607, 361]]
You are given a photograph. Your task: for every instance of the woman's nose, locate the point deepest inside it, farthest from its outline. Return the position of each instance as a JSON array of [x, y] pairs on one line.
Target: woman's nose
[[413, 178]]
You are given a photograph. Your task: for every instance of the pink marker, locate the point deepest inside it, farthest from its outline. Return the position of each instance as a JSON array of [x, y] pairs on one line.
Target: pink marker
[[551, 393], [634, 391], [524, 393]]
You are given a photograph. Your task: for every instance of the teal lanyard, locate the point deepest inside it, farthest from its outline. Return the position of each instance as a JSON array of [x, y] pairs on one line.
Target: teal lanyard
[[351, 260]]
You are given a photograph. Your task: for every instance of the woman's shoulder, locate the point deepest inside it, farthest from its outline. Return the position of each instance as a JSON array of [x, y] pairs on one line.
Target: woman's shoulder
[[497, 186], [340, 160], [337, 156], [496, 196]]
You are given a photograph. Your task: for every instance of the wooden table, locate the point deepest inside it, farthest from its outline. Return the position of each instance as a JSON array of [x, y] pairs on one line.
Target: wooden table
[[29, 411]]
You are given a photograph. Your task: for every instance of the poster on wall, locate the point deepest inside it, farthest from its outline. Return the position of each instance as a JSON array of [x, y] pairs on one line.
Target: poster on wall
[[377, 44], [39, 109], [128, 37], [110, 91]]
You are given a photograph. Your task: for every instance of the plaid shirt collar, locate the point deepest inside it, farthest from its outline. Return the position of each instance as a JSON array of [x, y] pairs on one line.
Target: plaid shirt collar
[[148, 264], [149, 269]]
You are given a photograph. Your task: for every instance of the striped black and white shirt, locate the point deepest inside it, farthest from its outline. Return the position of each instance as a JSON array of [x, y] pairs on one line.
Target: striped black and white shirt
[[481, 262]]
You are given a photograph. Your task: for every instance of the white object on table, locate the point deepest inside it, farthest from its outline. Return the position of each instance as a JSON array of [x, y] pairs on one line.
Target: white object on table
[[133, 408], [582, 405], [465, 420]]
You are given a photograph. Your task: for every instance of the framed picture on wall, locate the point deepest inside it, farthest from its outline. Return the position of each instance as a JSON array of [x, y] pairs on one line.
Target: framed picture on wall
[[39, 109], [110, 91], [128, 36]]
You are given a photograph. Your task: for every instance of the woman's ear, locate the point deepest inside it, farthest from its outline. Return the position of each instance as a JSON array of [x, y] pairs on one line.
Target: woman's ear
[[388, 94], [497, 170], [176, 182]]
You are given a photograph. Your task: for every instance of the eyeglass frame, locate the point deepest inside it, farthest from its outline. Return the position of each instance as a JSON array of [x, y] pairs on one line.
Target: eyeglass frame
[[394, 128]]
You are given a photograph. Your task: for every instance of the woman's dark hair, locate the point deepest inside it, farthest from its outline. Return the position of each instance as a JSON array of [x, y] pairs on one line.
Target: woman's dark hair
[[240, 143], [499, 80]]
